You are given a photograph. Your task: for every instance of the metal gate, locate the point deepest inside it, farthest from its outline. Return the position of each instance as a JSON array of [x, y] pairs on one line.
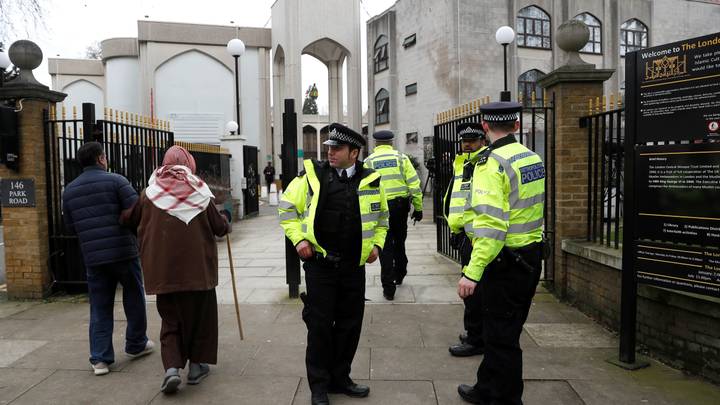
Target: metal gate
[[252, 176], [134, 148], [537, 132]]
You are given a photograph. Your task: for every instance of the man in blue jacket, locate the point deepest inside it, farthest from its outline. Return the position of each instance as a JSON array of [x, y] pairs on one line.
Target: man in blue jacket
[[91, 209]]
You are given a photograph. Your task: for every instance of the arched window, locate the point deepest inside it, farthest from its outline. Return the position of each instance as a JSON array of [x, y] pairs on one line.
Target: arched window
[[594, 44], [633, 36], [533, 28], [382, 107], [381, 54], [527, 84]]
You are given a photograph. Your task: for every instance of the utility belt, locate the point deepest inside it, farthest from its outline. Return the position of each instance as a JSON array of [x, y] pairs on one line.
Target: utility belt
[[517, 256], [399, 202], [331, 260]]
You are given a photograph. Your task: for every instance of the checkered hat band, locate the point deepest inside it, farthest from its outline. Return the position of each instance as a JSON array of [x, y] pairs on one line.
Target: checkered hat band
[[340, 137], [469, 130], [501, 117]]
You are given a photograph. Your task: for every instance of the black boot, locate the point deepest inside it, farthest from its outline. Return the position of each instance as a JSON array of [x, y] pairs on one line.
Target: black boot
[[465, 350], [468, 394], [319, 398], [351, 390]]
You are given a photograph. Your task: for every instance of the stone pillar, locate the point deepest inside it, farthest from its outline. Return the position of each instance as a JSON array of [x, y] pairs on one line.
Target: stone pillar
[[572, 84], [25, 229], [334, 92], [235, 143]]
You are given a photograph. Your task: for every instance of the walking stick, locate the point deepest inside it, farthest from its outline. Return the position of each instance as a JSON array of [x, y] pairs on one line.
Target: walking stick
[[232, 275]]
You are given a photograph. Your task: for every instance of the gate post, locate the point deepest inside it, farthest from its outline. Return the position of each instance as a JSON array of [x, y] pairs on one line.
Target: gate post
[[289, 171], [572, 85], [25, 220]]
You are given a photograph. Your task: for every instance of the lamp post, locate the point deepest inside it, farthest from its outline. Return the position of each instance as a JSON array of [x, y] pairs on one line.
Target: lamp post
[[505, 36], [236, 47], [231, 127], [4, 64]]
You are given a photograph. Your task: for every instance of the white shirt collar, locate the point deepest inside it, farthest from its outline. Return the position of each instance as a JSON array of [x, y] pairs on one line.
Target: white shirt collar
[[350, 171]]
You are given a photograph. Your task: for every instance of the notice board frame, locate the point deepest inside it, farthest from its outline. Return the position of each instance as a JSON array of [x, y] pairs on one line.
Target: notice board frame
[[674, 74]]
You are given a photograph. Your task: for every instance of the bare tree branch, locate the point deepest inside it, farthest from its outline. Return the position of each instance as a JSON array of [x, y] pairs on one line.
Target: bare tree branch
[[20, 18]]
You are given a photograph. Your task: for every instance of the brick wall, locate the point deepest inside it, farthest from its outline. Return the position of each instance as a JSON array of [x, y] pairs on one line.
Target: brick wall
[[25, 229], [682, 330]]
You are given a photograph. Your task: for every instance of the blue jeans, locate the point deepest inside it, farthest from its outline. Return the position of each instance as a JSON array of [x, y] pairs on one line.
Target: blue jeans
[[102, 283]]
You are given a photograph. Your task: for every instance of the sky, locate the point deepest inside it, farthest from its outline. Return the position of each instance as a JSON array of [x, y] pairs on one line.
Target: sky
[[70, 26]]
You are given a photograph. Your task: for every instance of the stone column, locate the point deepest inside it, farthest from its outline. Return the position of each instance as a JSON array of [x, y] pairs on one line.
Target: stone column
[[572, 85], [235, 143], [25, 229]]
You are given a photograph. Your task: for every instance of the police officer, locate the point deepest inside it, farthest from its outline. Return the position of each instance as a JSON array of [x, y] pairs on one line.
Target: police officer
[[401, 184], [336, 214], [507, 196], [457, 211]]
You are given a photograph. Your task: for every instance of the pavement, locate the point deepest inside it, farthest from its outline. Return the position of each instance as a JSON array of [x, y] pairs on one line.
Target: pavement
[[402, 356]]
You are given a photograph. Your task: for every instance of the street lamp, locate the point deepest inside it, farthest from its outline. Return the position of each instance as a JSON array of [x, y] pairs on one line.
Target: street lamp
[[231, 127], [4, 64], [504, 36], [236, 47]]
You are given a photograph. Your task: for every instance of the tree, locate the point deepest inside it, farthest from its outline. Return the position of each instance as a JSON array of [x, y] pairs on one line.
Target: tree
[[18, 16], [93, 51], [310, 104]]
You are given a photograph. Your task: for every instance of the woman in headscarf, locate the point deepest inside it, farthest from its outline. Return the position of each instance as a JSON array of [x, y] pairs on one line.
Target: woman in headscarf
[[177, 223]]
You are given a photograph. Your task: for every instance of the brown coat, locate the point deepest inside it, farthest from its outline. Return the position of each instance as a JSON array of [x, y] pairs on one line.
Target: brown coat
[[176, 257]]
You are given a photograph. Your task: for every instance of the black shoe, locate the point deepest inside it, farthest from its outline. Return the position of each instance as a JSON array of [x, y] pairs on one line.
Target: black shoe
[[389, 295], [399, 281], [463, 337], [465, 350], [468, 394], [351, 390], [319, 398]]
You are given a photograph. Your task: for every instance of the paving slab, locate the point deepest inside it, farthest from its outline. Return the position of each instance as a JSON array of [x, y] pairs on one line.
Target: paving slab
[[11, 350], [273, 360], [436, 294], [14, 382], [8, 308], [402, 294], [229, 389], [416, 364], [537, 392], [391, 334], [581, 335], [381, 393]]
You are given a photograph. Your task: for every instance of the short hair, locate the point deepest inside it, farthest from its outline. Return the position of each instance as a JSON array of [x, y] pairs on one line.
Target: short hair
[[89, 153], [383, 141], [504, 126]]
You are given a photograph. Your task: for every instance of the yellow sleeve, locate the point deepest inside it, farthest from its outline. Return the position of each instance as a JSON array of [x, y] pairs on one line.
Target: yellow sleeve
[[291, 209], [413, 182], [489, 201], [382, 225]]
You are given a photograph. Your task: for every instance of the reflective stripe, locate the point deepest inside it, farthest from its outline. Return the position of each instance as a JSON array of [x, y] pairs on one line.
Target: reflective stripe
[[383, 222], [396, 189], [460, 194], [457, 210], [303, 228], [284, 205], [412, 179], [530, 201], [289, 215], [494, 212], [519, 156], [392, 176], [415, 190], [489, 233], [373, 216], [384, 214], [368, 192], [459, 177], [468, 229], [368, 234], [379, 156], [526, 227], [512, 177]]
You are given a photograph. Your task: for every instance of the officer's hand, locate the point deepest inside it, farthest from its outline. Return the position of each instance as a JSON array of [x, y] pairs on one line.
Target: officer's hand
[[456, 240], [305, 249], [373, 255], [416, 215], [466, 287]]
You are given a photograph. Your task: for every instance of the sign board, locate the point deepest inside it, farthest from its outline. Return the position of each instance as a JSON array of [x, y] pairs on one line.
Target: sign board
[[679, 90], [17, 193], [673, 182]]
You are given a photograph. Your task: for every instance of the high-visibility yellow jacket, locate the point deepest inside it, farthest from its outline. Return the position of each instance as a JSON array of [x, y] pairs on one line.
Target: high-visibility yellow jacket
[[399, 177], [455, 202], [508, 195], [297, 209]]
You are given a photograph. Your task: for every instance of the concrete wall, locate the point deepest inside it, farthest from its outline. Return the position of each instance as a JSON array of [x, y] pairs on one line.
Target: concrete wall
[[123, 84], [681, 329], [82, 91]]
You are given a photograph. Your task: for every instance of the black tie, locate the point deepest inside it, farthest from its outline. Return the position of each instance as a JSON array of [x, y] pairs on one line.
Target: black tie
[[344, 176]]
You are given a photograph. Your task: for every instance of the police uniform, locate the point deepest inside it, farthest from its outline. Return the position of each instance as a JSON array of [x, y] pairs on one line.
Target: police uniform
[[402, 185], [507, 196], [343, 214], [458, 212]]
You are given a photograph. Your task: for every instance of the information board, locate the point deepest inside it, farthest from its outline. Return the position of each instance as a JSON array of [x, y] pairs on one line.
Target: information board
[[679, 90], [686, 268]]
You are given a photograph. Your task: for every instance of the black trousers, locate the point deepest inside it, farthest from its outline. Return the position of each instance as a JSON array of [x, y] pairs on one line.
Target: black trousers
[[333, 313], [472, 317], [393, 260], [507, 292]]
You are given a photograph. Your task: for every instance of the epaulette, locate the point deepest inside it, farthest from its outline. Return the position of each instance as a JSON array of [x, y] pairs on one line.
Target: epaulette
[[483, 157], [302, 173], [375, 183]]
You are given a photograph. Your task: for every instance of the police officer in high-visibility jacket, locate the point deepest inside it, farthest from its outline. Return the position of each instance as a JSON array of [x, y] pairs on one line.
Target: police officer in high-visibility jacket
[[336, 215], [507, 196], [401, 184], [457, 211]]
